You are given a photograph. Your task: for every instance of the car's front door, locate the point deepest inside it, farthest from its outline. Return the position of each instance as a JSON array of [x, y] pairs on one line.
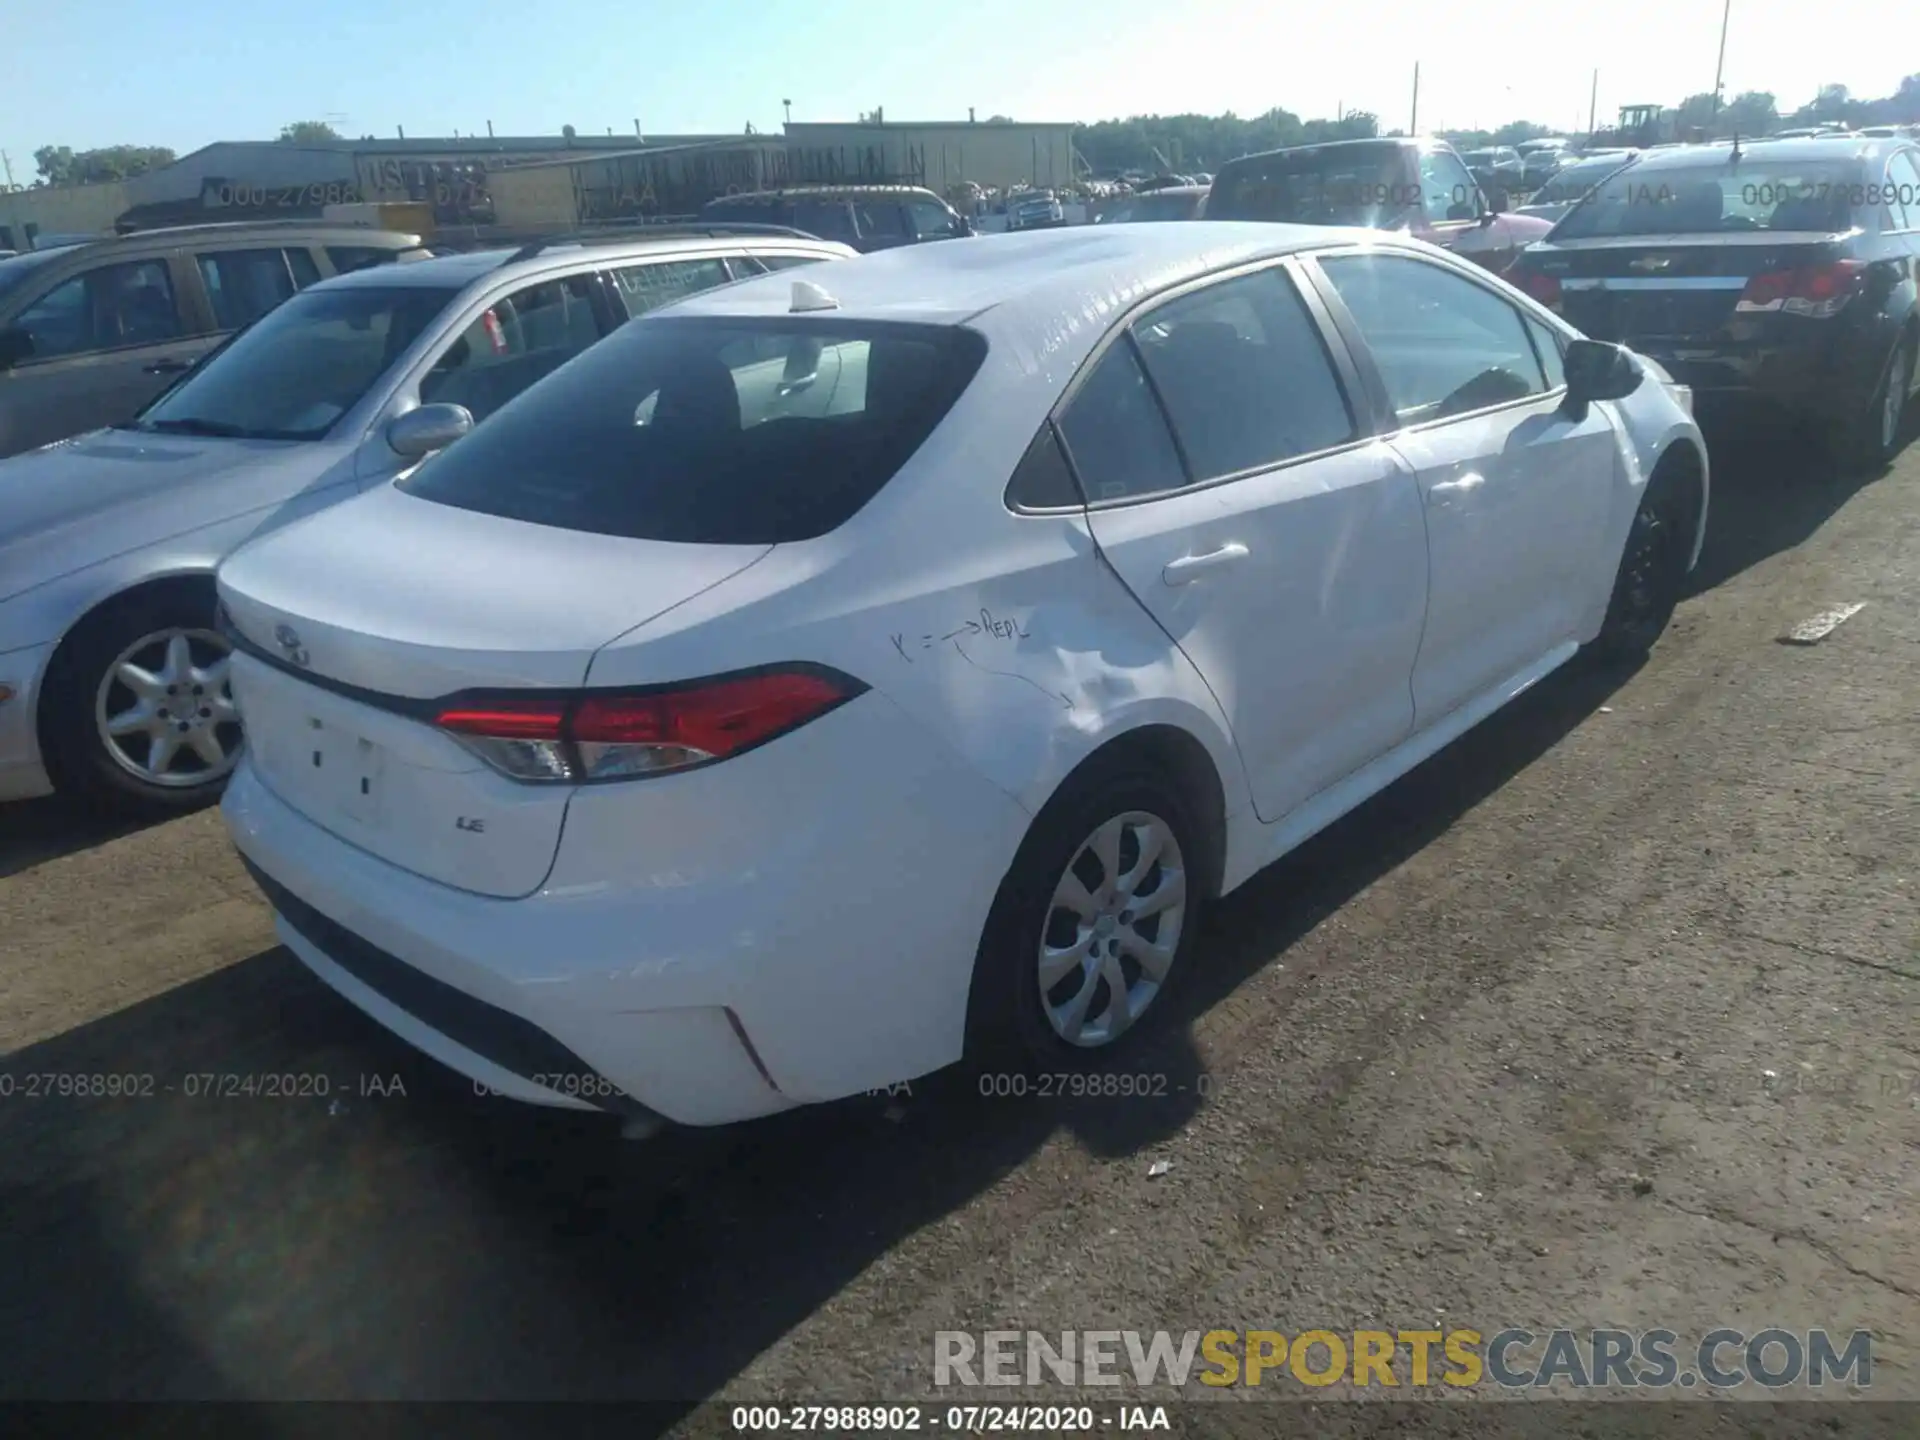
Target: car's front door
[[1232, 486], [1518, 491], [105, 342]]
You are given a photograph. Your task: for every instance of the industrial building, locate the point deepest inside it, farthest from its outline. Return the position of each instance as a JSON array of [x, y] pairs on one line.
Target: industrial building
[[479, 186]]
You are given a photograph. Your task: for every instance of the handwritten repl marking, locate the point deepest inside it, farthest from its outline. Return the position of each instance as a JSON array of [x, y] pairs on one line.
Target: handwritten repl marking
[[987, 624]]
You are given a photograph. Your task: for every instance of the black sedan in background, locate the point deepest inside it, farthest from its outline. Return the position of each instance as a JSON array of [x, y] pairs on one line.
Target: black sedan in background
[[1175, 202], [1782, 272]]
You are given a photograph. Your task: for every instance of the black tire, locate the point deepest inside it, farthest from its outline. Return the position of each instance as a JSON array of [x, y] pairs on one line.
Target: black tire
[[1653, 569], [1007, 1026], [70, 735], [1869, 441]]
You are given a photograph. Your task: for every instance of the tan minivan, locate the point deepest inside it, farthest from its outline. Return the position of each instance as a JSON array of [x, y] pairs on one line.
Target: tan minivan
[[90, 332]]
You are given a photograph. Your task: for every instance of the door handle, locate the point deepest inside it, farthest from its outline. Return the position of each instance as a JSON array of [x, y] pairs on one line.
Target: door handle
[[1461, 486], [1189, 568], [166, 367]]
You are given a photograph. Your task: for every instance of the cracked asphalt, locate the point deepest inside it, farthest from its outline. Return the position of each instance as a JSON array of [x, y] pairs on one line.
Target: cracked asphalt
[[1605, 1016]]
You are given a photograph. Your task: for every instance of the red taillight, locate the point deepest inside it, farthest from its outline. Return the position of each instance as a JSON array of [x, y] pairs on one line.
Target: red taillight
[[1816, 290], [599, 735], [507, 719], [1544, 288]]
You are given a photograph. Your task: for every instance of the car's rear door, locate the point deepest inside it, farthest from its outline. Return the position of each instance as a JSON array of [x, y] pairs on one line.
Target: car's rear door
[[105, 342], [1233, 486], [1518, 491]]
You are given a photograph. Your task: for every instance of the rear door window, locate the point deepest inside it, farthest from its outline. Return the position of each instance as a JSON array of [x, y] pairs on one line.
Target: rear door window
[[829, 219], [243, 285], [1116, 433], [1244, 375], [647, 287], [706, 430], [521, 338]]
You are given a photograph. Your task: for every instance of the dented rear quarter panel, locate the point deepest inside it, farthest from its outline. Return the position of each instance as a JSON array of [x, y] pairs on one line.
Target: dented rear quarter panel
[[1007, 637]]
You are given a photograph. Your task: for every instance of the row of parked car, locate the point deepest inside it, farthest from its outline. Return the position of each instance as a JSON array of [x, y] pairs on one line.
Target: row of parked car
[[632, 643]]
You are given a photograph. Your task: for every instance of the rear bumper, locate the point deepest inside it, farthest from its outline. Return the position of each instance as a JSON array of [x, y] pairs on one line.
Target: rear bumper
[[1826, 377], [23, 771], [707, 995]]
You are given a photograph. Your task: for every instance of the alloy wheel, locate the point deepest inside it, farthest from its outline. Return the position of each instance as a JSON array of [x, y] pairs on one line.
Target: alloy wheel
[[164, 711], [1112, 929]]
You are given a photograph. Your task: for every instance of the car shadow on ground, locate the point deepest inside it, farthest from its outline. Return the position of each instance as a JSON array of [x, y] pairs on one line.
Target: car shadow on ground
[[440, 1244], [1772, 488], [32, 832], [380, 1231]]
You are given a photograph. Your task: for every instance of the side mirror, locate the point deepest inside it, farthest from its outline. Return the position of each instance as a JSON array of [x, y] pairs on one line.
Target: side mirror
[[1497, 202], [15, 346], [1598, 371], [962, 225], [420, 432]]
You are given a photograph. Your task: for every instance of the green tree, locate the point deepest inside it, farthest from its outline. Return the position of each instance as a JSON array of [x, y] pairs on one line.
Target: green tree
[[1751, 112], [60, 165], [306, 132], [55, 163]]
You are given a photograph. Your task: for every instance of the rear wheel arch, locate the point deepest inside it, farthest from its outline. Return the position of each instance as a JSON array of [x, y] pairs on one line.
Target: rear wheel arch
[[1126, 772], [1167, 751]]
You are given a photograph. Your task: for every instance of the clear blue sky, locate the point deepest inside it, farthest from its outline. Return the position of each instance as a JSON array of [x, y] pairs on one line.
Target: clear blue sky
[[187, 72]]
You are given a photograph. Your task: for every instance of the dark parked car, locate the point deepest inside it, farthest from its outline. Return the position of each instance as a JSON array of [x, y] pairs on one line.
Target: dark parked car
[[1782, 272], [1421, 186], [90, 332], [1176, 202], [1577, 175], [867, 217], [1540, 166], [1498, 167]]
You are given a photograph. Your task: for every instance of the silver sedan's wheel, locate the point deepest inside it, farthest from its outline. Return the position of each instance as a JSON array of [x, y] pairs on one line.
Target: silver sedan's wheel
[[164, 713], [1112, 930]]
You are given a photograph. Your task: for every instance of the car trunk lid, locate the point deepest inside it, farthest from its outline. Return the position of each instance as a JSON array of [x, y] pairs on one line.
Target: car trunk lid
[[353, 628], [1670, 290]]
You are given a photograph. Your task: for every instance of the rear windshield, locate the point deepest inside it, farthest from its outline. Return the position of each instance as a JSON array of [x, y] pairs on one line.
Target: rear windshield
[[1718, 197], [712, 431], [1152, 206], [1339, 187], [1567, 185]]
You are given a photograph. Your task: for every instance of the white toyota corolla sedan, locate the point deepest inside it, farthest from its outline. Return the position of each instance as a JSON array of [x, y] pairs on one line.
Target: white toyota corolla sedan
[[817, 682]]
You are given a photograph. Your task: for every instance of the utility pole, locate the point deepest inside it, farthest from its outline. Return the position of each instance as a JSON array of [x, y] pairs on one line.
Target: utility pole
[[787, 105], [1720, 65], [7, 161], [489, 129], [1413, 124], [1593, 104]]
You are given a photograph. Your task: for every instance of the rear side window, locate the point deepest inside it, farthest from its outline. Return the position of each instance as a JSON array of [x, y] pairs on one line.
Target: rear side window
[[647, 287], [704, 430], [1042, 480], [1117, 434], [787, 262], [1903, 190], [357, 257], [1244, 375]]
